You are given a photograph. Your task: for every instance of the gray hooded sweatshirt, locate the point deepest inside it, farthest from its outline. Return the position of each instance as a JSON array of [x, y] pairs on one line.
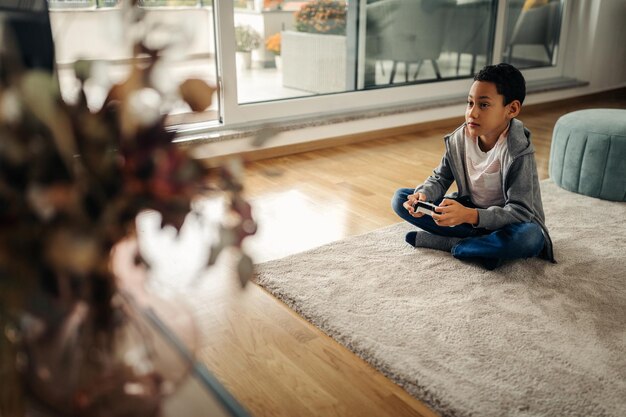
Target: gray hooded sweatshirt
[[520, 183]]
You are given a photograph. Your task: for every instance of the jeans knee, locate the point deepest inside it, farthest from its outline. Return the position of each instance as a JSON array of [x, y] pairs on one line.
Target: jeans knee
[[398, 199], [533, 240], [519, 240], [529, 239], [458, 251]]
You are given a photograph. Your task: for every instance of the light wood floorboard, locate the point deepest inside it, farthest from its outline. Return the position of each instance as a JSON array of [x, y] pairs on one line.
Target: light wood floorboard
[[274, 362]]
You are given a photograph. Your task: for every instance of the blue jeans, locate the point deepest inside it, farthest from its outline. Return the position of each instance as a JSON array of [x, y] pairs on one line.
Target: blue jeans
[[513, 241]]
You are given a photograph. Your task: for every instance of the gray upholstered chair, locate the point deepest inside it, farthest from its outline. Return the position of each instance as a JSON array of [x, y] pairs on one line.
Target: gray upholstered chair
[[537, 26], [405, 31], [467, 32]]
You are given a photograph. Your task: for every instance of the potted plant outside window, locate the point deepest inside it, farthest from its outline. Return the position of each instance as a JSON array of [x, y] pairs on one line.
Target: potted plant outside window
[[322, 16], [272, 44], [246, 40]]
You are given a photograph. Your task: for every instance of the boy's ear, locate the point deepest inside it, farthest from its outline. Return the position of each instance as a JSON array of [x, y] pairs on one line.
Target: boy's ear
[[514, 108]]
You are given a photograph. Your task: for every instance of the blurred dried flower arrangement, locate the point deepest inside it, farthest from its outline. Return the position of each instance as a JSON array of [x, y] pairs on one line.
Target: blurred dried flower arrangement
[[72, 181]]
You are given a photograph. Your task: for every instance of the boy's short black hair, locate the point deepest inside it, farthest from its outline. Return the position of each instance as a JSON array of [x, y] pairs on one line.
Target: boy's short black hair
[[509, 81]]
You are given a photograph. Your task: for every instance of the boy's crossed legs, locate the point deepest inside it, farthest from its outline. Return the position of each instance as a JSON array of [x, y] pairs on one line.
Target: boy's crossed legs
[[513, 241]]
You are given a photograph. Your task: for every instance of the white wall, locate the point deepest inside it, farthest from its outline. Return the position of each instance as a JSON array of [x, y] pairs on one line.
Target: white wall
[[597, 43]]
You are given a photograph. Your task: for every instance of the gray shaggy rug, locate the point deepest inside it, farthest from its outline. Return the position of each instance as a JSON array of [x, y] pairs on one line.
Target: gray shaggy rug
[[528, 339]]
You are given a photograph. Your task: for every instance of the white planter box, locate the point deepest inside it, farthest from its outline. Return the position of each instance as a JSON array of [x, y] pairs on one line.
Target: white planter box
[[314, 62]]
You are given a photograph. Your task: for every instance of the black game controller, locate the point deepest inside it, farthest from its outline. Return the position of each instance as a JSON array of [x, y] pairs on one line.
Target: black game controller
[[425, 207]]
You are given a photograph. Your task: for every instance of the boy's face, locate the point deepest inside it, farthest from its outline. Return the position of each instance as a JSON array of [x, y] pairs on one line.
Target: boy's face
[[486, 114]]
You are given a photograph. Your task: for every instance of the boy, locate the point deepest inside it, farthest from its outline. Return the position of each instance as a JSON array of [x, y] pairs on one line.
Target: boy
[[497, 213]]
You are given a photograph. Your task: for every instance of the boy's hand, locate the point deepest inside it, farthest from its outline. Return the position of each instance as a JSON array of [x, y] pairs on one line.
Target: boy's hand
[[410, 202], [452, 213]]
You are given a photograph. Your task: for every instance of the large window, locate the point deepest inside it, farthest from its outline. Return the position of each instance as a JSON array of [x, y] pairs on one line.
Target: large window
[[280, 59]]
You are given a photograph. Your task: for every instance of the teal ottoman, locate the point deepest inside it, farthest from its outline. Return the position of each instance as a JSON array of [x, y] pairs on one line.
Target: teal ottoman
[[588, 153]]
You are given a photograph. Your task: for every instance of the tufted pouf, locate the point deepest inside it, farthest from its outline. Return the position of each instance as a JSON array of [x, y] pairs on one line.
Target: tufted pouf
[[588, 153]]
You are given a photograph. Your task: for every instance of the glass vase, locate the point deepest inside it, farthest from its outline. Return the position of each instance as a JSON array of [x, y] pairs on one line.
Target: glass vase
[[76, 368]]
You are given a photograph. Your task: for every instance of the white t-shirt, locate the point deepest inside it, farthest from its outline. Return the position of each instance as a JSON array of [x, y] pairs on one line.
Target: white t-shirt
[[484, 170]]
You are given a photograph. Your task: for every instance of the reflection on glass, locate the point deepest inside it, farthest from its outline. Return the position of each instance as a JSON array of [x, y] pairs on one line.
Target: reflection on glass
[[419, 40], [403, 32], [532, 32]]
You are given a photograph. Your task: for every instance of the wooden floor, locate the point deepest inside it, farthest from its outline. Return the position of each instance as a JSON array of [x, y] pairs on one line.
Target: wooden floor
[[271, 360]]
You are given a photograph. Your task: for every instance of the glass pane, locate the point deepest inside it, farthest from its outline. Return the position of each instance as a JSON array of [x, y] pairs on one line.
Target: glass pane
[[303, 48], [100, 36], [411, 41], [532, 32], [290, 49]]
